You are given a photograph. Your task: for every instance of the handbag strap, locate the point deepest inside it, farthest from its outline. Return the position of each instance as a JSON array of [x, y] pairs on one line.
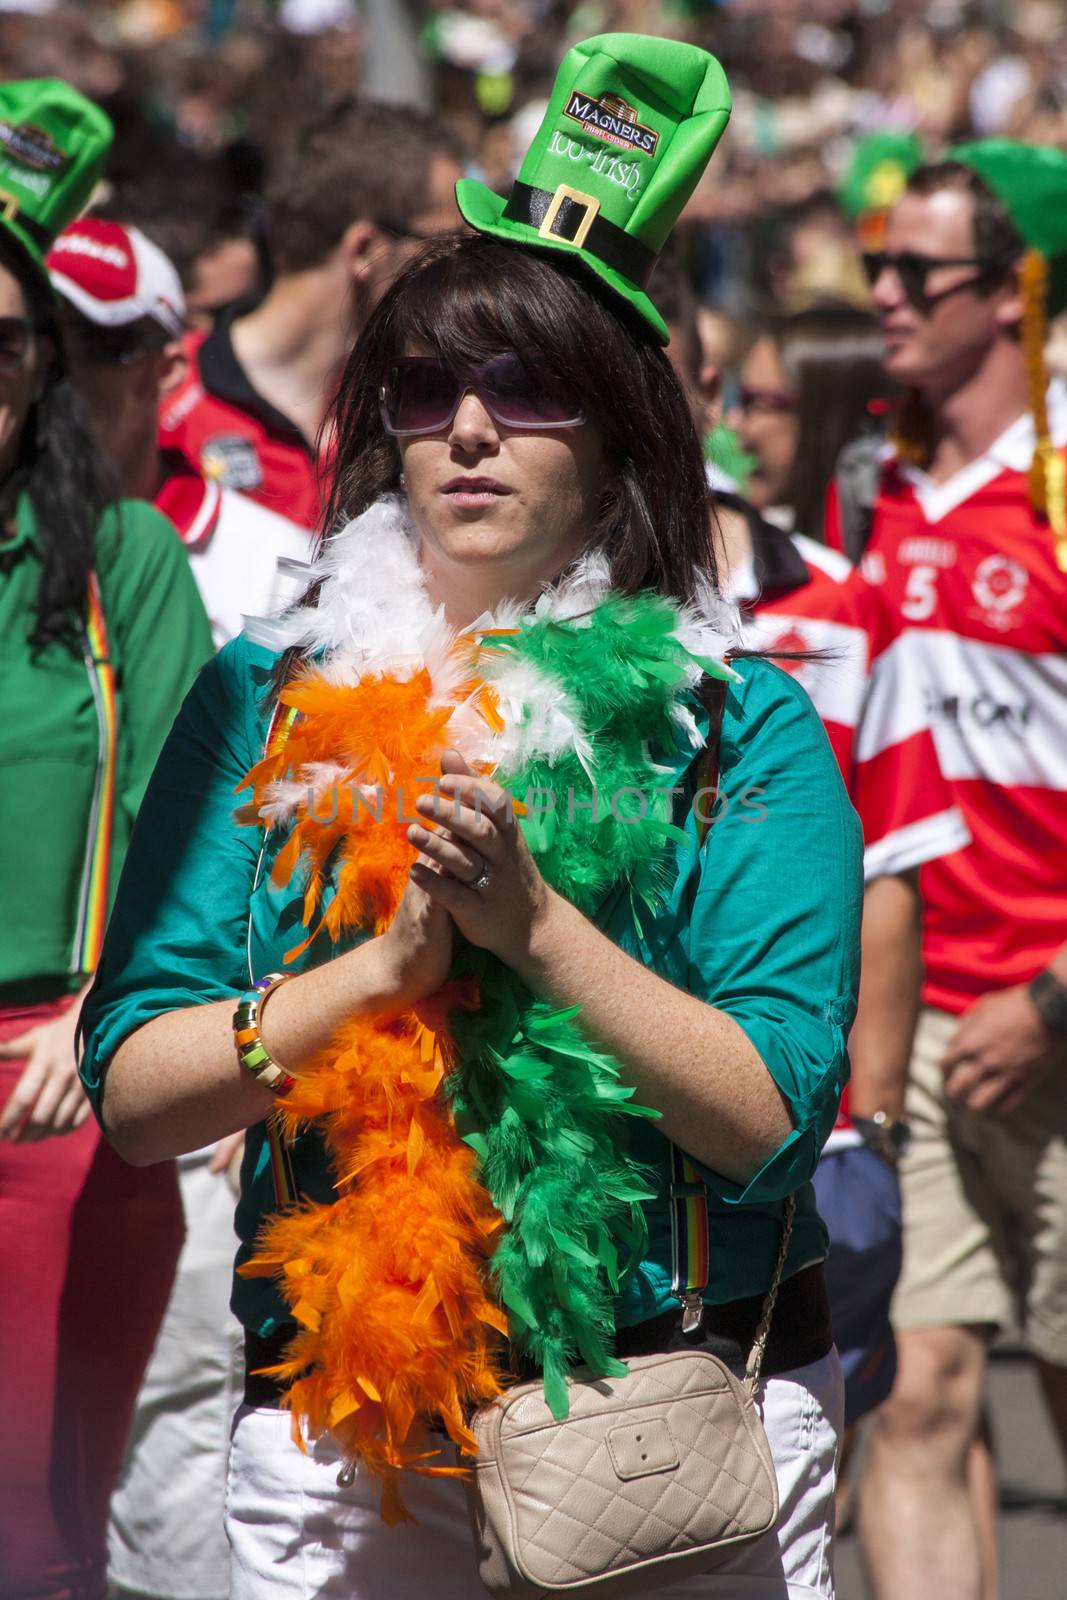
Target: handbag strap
[[691, 1267], [754, 1363]]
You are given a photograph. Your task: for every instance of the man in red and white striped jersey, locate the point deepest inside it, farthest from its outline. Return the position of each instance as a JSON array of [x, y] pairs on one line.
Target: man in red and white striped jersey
[[971, 574]]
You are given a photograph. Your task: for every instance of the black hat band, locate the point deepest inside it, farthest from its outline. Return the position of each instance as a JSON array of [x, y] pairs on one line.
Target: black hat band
[[600, 237]]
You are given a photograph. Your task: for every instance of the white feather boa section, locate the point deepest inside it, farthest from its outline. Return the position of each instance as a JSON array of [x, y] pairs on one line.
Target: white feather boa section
[[375, 616]]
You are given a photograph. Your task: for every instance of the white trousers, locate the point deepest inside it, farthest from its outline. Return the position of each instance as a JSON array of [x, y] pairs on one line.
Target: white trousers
[[294, 1534], [166, 1536]]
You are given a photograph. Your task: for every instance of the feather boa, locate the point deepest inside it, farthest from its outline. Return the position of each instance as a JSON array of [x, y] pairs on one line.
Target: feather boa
[[523, 1215]]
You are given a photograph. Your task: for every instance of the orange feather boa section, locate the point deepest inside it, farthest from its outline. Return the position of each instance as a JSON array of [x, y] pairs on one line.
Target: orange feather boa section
[[386, 1282]]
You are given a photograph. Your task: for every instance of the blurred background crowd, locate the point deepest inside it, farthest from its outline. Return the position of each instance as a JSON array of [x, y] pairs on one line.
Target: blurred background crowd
[[194, 87]]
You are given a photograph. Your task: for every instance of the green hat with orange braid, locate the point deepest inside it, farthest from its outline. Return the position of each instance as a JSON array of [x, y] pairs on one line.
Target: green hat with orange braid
[[1030, 181]]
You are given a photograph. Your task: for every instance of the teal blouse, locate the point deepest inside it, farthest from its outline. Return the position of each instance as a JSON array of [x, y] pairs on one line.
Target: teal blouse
[[762, 922]]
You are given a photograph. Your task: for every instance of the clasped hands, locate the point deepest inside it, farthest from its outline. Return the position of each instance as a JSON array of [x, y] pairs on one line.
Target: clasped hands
[[469, 836]]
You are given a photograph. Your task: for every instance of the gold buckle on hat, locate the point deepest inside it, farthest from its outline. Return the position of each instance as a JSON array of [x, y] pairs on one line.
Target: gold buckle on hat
[[11, 206], [565, 192]]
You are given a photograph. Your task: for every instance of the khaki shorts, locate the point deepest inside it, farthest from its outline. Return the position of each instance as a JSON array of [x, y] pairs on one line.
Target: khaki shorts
[[985, 1208]]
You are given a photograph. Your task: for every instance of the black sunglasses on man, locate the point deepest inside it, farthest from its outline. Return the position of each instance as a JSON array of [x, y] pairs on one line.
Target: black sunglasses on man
[[913, 269]]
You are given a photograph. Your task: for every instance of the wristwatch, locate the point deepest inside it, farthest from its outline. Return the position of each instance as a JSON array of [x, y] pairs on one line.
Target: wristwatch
[[1050, 997], [887, 1136]]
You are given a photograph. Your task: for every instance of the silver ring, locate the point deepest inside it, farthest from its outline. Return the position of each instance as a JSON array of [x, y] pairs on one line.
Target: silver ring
[[483, 881]]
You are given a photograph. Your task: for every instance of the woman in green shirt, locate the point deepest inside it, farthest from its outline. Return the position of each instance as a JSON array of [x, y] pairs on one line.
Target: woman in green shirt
[[501, 435], [101, 631]]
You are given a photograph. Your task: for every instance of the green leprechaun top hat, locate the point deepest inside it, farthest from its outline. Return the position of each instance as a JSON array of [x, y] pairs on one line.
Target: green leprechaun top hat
[[630, 126], [53, 144]]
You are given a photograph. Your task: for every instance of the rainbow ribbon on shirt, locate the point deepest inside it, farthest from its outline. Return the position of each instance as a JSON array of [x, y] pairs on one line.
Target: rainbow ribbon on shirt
[[93, 893]]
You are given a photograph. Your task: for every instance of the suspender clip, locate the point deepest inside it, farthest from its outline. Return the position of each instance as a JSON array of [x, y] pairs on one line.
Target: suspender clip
[[692, 1310]]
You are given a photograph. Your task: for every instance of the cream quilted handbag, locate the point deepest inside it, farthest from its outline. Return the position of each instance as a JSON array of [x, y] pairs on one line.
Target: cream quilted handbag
[[649, 1478]]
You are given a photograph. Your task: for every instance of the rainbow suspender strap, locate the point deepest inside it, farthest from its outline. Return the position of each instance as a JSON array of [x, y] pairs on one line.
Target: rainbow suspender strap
[[96, 872], [689, 1239], [286, 1192]]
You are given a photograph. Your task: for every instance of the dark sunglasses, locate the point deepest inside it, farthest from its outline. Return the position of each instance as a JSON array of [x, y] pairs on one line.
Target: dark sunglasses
[[15, 336], [421, 394], [913, 269]]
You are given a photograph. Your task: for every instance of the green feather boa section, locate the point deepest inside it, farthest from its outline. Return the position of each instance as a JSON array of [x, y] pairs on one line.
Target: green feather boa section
[[539, 1104]]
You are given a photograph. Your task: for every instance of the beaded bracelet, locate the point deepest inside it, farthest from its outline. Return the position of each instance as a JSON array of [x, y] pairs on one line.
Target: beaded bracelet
[[251, 1051]]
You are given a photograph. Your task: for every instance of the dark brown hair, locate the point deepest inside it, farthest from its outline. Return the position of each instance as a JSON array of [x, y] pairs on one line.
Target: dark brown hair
[[59, 469], [832, 359], [357, 160], [996, 238], [469, 298]]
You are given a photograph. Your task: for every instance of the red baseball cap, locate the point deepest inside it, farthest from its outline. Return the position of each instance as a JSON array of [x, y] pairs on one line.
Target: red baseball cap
[[114, 275]]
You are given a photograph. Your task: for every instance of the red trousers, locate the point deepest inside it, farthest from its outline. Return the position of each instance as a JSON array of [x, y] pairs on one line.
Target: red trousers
[[88, 1247]]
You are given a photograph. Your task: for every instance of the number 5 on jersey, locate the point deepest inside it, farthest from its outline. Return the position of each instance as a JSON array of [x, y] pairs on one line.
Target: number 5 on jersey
[[920, 595]]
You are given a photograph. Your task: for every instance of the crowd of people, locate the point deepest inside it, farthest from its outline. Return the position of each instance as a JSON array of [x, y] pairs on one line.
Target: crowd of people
[[308, 394], [194, 88]]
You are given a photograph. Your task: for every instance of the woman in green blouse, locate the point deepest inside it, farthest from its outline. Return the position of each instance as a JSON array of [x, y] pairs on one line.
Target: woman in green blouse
[[499, 419], [101, 631], [566, 1080]]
